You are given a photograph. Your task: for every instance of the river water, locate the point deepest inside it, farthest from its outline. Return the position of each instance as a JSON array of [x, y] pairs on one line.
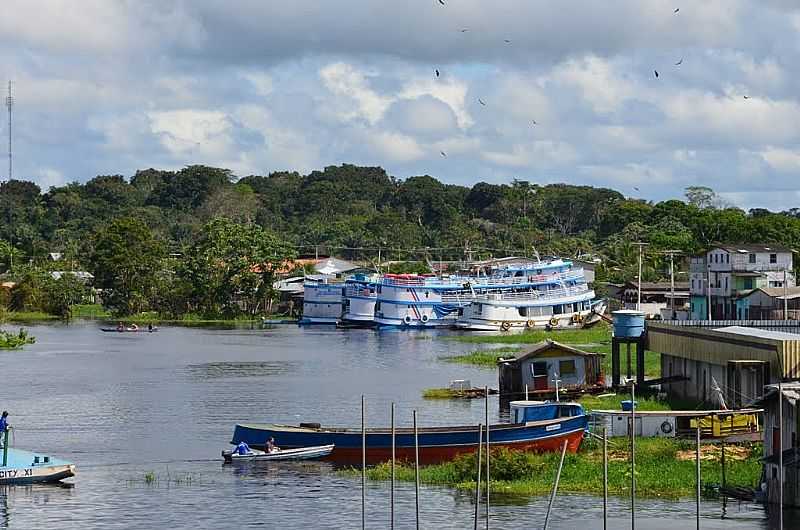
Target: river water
[[124, 405]]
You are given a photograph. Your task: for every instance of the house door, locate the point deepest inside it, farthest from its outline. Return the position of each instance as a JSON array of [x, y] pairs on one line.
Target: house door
[[539, 373]]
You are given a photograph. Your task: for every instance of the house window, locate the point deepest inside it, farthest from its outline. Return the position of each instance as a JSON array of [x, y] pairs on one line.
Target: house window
[[748, 283], [726, 283], [727, 258], [566, 367], [752, 258], [773, 258]]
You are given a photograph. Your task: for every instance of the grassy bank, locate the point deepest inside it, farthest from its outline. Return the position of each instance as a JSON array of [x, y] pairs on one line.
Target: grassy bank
[[664, 468], [594, 339]]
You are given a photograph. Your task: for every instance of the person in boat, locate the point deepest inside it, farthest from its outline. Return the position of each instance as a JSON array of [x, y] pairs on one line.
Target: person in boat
[[270, 446], [134, 327], [242, 448], [150, 327], [120, 326], [4, 426]]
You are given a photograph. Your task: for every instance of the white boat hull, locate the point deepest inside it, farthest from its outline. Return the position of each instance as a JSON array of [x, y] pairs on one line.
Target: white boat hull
[[301, 453], [574, 320]]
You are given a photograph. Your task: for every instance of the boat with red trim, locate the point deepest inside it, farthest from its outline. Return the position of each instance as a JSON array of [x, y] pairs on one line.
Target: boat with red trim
[[538, 426]]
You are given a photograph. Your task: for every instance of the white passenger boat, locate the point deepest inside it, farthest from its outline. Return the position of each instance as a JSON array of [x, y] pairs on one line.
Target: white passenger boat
[[558, 300], [323, 299], [25, 467], [360, 295], [300, 453]]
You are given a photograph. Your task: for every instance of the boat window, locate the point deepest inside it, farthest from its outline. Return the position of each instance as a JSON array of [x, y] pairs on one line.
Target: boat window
[[377, 306], [518, 274], [566, 367], [426, 294], [379, 289], [523, 311]]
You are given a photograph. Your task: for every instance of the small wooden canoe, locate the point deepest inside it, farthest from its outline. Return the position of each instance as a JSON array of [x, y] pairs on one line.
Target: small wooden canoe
[[300, 453]]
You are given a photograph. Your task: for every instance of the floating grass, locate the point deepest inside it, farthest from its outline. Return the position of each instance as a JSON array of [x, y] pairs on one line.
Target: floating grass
[[13, 341], [661, 470]]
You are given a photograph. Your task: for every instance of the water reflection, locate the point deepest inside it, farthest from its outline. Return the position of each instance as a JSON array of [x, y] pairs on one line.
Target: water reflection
[[241, 369]]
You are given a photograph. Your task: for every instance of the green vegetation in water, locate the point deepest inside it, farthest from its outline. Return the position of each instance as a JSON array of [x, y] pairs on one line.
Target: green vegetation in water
[[440, 393], [28, 316], [664, 468], [595, 339], [151, 478], [11, 341], [486, 358]]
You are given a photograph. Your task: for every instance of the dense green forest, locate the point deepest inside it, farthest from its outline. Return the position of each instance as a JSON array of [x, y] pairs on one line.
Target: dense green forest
[[200, 241]]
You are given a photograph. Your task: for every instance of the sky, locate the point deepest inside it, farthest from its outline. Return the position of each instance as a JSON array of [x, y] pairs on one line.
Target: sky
[[539, 90]]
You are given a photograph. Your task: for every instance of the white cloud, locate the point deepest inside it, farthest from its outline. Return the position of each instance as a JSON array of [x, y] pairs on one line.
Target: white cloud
[[785, 160], [395, 147], [201, 131], [450, 90], [598, 82], [347, 83]]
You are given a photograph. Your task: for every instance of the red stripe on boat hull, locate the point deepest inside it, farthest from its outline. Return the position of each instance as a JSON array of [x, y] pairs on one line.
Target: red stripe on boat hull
[[436, 454]]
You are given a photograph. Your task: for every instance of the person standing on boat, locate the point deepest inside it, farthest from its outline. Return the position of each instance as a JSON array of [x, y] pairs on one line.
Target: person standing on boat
[[4, 426]]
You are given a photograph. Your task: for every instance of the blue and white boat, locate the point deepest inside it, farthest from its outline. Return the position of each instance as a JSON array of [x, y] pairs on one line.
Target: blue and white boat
[[556, 289], [323, 299], [538, 426], [25, 467], [360, 295]]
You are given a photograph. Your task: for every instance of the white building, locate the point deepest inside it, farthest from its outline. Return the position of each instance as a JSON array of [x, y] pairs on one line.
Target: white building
[[725, 272]]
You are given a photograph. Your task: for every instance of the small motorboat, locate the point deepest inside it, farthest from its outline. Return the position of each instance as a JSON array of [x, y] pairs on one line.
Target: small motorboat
[[300, 453], [128, 330]]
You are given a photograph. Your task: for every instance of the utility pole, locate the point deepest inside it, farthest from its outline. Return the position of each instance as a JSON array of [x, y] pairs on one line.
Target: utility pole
[[785, 298], [639, 290], [672, 254], [9, 105]]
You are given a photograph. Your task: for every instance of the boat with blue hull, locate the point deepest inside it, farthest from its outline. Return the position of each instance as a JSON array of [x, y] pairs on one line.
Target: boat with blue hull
[[323, 300], [538, 427], [25, 467], [360, 295]]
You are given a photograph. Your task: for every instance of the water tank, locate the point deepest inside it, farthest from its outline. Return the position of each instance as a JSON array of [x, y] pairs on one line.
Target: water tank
[[628, 323]]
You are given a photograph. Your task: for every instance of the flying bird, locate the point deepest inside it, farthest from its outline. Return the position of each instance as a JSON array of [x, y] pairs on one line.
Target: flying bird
[[534, 122], [441, 2], [507, 41], [637, 189], [679, 62], [437, 72], [481, 102], [656, 72], [676, 9], [442, 152], [746, 97], [464, 30]]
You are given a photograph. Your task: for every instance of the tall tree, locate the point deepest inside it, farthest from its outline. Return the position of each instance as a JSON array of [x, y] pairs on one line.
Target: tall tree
[[126, 262]]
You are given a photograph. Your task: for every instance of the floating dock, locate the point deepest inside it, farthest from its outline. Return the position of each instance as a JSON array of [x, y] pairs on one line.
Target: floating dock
[[25, 467]]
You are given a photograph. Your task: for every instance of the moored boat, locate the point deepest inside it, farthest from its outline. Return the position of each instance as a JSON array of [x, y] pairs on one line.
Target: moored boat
[[360, 295], [24, 467], [323, 300], [299, 453], [538, 427], [128, 330]]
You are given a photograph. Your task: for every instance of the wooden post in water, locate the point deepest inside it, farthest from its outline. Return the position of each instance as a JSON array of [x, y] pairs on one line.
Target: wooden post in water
[[416, 468], [363, 465], [633, 455], [605, 479], [488, 482], [478, 476], [697, 471], [555, 485], [391, 490]]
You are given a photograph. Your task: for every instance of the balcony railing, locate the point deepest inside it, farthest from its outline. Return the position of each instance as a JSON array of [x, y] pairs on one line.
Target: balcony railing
[[478, 282], [534, 295]]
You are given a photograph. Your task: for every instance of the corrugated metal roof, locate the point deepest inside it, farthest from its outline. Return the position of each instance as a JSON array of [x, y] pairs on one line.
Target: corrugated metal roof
[[760, 333]]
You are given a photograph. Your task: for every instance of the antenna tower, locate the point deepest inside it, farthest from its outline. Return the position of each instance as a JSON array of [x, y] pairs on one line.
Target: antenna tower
[[9, 104]]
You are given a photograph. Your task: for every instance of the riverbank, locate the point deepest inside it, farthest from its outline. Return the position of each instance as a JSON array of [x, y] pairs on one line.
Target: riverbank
[[595, 339], [664, 468]]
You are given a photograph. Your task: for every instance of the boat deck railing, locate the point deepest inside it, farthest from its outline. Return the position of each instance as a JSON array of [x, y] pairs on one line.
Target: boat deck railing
[[534, 295], [479, 282]]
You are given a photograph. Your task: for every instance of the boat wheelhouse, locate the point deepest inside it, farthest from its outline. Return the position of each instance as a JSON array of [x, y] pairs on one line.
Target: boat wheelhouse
[[538, 426], [360, 296], [323, 300]]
